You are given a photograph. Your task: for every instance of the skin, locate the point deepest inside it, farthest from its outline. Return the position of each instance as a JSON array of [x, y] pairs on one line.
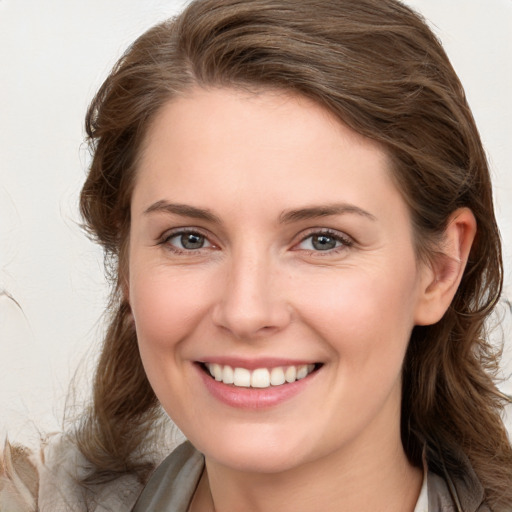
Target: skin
[[258, 287]]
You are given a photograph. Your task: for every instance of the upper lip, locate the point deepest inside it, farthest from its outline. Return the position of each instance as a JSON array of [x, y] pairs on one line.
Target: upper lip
[[253, 364]]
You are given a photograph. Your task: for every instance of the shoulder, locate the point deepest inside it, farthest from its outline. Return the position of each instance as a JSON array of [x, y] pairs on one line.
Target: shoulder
[[49, 480]]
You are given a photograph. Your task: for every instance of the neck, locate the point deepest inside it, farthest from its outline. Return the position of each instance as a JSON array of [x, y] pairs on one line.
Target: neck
[[383, 481]]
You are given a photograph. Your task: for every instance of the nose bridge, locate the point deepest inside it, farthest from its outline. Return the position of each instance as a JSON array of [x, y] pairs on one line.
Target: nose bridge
[[252, 302]]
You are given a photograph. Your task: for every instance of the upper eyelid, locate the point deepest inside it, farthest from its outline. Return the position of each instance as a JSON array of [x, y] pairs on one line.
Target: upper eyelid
[[169, 233], [166, 236], [326, 231], [164, 241], [346, 242], [298, 238]]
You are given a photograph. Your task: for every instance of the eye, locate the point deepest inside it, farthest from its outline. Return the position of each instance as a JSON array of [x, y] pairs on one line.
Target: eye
[[323, 241], [187, 241]]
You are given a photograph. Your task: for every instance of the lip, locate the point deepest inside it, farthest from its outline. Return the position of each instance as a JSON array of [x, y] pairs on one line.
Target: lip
[[253, 398]]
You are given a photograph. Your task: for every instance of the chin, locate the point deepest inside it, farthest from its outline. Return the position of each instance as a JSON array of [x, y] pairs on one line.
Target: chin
[[252, 453], [256, 460]]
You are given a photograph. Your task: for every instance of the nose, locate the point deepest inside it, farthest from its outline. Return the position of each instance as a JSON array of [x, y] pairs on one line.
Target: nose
[[252, 301]]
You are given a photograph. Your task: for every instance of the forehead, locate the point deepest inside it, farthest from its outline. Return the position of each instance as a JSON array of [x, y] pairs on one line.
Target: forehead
[[267, 146]]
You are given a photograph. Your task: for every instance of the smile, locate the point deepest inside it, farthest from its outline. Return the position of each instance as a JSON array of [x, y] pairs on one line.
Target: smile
[[260, 377]]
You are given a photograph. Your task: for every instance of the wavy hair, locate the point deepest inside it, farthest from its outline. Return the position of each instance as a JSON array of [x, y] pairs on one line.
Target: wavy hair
[[377, 66]]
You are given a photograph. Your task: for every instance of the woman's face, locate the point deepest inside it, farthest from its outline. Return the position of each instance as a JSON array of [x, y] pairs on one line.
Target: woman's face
[[269, 246]]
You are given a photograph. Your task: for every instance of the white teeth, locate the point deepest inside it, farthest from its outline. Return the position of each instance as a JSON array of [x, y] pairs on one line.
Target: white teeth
[[302, 371], [217, 372], [290, 374], [277, 376], [242, 377], [261, 377], [228, 375]]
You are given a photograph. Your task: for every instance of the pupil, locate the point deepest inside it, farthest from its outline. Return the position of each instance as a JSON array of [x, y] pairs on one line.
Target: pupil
[[323, 242], [192, 241]]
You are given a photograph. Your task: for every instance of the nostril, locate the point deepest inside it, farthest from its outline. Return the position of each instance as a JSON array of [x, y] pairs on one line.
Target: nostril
[[251, 318]]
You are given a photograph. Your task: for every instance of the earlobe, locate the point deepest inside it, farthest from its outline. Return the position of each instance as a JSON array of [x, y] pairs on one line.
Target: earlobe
[[442, 277]]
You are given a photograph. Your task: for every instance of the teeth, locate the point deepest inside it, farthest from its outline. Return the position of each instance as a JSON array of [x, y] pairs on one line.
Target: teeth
[[302, 371], [277, 376], [242, 377], [259, 378], [217, 372], [290, 374], [228, 375]]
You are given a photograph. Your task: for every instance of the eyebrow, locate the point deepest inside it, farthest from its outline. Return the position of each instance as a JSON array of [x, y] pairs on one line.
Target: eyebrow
[[311, 212], [184, 210], [286, 217]]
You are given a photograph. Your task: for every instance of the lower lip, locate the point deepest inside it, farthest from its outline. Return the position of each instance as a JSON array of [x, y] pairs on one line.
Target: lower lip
[[253, 398]]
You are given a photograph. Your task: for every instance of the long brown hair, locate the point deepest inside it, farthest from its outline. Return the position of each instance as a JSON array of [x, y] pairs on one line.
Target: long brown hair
[[377, 66]]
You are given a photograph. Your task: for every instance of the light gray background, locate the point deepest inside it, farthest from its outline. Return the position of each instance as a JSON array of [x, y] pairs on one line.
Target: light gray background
[[53, 56]]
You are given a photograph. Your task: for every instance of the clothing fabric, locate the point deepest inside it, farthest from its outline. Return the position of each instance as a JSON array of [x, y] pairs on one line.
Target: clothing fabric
[[49, 481], [422, 503], [174, 482], [172, 486]]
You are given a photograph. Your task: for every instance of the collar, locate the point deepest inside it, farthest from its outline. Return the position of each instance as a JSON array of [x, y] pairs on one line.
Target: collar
[[447, 491]]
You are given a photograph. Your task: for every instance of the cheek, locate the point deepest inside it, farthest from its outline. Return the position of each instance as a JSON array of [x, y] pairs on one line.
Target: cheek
[[166, 310], [164, 306], [362, 314]]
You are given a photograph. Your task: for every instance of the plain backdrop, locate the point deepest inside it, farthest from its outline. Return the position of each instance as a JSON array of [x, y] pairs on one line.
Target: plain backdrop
[[53, 56]]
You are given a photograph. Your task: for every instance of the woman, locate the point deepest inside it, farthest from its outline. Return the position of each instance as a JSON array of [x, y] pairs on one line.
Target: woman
[[297, 214]]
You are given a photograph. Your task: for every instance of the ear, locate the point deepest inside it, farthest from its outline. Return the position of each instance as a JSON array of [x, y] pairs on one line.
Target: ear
[[442, 276]]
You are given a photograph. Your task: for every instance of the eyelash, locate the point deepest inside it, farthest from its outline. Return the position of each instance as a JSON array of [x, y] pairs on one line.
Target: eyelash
[[165, 240], [344, 241]]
